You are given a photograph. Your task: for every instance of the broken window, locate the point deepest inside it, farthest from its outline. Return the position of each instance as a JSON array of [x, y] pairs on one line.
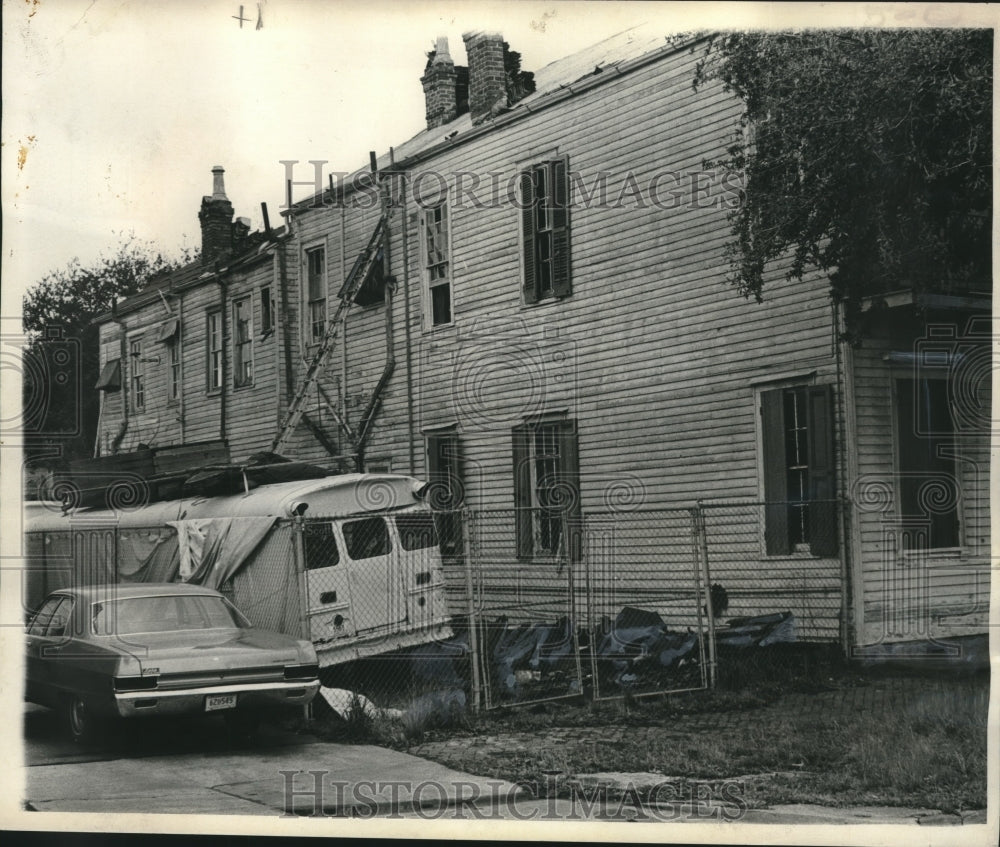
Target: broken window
[[316, 281], [545, 231], [800, 513], [138, 368], [437, 265], [213, 364], [266, 310], [925, 442], [547, 489], [446, 493], [242, 342]]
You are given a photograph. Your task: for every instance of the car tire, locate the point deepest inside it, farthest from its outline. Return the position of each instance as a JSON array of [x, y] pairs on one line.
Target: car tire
[[243, 725], [84, 726]]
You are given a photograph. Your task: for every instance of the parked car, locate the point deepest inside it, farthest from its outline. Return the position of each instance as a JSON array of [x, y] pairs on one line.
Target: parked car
[[121, 651]]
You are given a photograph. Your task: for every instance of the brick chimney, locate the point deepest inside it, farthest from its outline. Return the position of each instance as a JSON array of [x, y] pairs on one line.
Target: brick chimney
[[216, 218], [487, 75], [440, 82]]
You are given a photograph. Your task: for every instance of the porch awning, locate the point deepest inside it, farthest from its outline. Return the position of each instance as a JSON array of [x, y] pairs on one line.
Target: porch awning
[[168, 329], [111, 376]]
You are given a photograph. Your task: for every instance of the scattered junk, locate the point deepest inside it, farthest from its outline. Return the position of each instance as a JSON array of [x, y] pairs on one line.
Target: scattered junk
[[349, 561], [636, 651]]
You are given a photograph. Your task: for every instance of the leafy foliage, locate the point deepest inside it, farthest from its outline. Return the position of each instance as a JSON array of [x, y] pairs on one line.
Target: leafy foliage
[[866, 154], [68, 300]]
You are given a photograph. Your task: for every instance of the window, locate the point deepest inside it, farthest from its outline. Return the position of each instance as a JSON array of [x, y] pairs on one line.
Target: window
[[372, 290], [43, 617], [366, 538], [547, 489], [214, 350], [545, 231], [800, 512], [320, 546], [316, 276], [925, 444], [138, 375], [242, 342], [266, 310], [437, 265], [446, 493], [173, 369]]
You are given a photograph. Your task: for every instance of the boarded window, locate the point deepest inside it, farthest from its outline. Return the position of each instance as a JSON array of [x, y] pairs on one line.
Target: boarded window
[[545, 225], [925, 439], [801, 513], [547, 490]]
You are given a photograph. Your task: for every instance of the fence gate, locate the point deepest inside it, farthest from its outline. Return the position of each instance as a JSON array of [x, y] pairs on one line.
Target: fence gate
[[647, 625]]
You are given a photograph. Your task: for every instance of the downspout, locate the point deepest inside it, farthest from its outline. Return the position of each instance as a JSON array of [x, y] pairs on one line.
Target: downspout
[[221, 280], [116, 442], [406, 327], [179, 341], [343, 341], [845, 507]]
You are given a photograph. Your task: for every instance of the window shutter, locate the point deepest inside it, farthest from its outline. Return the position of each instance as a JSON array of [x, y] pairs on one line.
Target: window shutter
[[775, 483], [822, 479], [569, 472], [521, 452], [561, 281], [528, 225]]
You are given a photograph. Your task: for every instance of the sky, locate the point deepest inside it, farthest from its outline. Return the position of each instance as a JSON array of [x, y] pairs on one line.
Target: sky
[[115, 111]]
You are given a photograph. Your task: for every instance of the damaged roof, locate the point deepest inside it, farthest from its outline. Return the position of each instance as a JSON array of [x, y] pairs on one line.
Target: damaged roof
[[558, 79]]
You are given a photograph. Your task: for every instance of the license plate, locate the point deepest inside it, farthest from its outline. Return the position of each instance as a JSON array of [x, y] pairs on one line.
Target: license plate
[[218, 702]]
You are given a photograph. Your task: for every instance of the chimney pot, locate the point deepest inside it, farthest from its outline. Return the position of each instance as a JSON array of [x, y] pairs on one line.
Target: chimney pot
[[218, 183]]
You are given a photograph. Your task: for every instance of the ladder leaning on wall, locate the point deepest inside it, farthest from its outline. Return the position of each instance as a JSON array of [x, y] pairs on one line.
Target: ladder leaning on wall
[[363, 267]]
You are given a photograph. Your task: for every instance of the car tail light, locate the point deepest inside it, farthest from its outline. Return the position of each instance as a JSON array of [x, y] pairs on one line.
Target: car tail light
[[302, 672], [135, 683]]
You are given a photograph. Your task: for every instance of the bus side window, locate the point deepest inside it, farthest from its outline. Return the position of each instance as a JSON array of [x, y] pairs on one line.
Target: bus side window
[[320, 546], [366, 538]]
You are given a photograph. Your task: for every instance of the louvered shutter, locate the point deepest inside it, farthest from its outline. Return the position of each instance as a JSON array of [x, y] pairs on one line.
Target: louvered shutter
[[822, 478], [775, 482], [521, 451], [528, 227], [561, 278], [569, 477]]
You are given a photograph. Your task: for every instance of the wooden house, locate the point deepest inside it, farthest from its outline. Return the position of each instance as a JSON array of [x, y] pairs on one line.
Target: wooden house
[[538, 319]]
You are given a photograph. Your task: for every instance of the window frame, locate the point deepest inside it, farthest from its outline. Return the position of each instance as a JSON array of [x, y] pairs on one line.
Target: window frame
[[527, 500], [137, 375], [543, 223], [315, 304], [776, 539], [267, 310], [242, 348], [446, 495], [174, 373], [214, 351], [940, 378], [427, 209]]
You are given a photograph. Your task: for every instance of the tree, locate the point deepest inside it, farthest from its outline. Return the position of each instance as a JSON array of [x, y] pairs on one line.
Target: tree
[[61, 358], [866, 154]]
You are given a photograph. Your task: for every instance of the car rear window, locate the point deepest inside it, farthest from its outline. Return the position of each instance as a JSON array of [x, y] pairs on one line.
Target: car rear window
[[416, 531], [164, 613]]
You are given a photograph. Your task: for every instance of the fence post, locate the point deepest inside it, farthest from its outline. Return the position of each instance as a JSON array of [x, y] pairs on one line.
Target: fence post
[[299, 556], [569, 546], [701, 537], [468, 521]]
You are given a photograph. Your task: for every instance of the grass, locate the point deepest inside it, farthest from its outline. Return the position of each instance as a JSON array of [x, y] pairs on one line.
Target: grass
[[790, 736]]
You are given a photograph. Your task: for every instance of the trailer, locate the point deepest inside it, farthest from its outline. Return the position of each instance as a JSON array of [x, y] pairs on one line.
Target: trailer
[[350, 562]]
